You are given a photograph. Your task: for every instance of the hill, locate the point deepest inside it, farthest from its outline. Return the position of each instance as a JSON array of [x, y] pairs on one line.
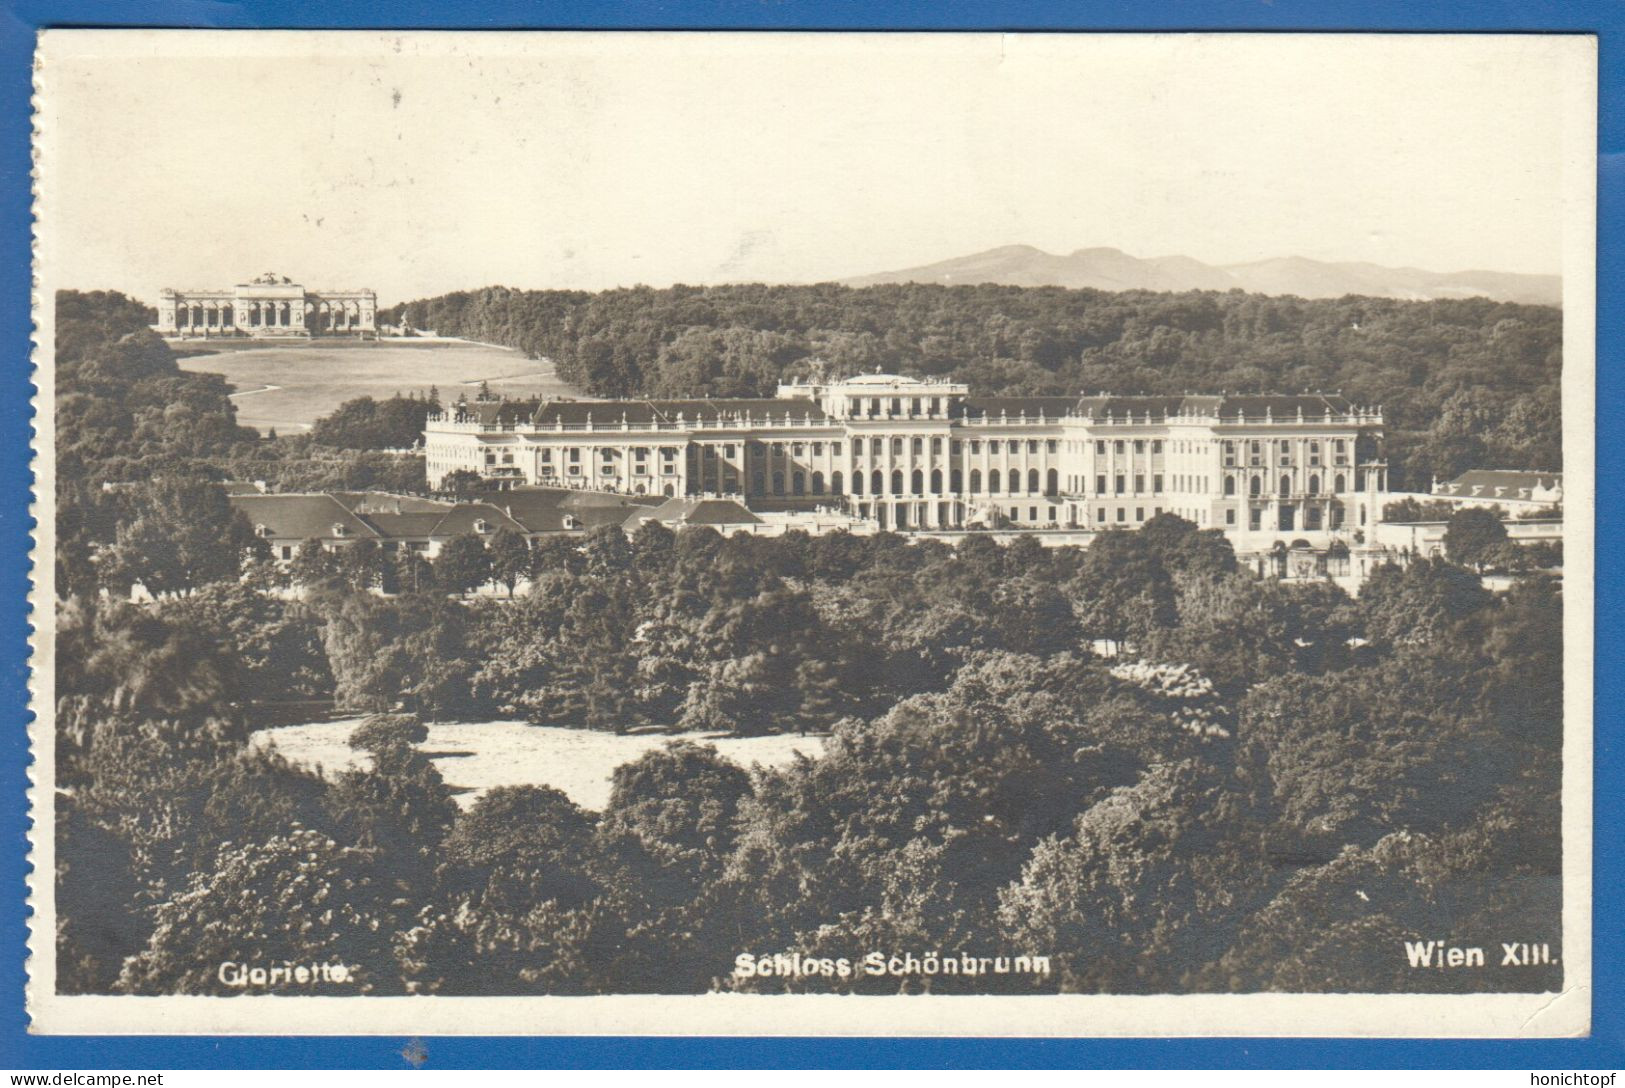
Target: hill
[[1106, 269]]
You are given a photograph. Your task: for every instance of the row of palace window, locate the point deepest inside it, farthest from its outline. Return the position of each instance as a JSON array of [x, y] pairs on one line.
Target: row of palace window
[[915, 445], [1120, 445], [1283, 448], [1048, 484], [802, 483], [1120, 484], [876, 406], [1255, 486]]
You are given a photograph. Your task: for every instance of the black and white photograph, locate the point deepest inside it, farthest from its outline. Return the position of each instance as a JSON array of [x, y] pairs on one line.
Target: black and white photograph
[[812, 533]]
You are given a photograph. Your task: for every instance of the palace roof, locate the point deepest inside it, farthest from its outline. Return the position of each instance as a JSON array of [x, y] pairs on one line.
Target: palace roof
[[300, 517], [1222, 406], [543, 509], [640, 412], [1015, 407], [678, 512], [1501, 484]]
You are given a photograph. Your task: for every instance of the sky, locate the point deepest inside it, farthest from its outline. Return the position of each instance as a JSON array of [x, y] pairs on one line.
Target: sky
[[422, 163]]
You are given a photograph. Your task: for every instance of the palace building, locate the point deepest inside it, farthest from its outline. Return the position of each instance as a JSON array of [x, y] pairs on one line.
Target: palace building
[[269, 306], [914, 455]]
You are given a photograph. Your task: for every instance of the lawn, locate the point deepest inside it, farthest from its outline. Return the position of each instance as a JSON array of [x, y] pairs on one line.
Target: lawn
[[290, 386], [474, 756]]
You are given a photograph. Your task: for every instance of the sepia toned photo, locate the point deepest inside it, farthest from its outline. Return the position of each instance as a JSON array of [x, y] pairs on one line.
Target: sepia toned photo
[[800, 534]]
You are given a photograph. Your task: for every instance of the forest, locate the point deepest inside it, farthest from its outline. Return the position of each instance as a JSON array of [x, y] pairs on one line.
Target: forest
[[1161, 772], [1463, 384]]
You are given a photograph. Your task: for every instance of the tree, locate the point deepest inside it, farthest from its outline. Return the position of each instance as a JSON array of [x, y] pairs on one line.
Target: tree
[[461, 484], [1123, 590], [951, 789], [1473, 536], [273, 645], [401, 809], [1152, 879], [367, 424], [654, 547], [378, 732], [1422, 603], [517, 847], [313, 564], [665, 838], [183, 534], [363, 564], [1399, 745], [464, 563], [608, 552], [297, 898], [413, 573], [561, 552], [510, 558]]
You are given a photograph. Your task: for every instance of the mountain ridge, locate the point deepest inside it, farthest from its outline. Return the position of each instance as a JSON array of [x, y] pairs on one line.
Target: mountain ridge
[[1109, 269]]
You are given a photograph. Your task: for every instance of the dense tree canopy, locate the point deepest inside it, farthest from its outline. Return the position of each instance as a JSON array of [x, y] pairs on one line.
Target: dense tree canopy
[[1464, 383]]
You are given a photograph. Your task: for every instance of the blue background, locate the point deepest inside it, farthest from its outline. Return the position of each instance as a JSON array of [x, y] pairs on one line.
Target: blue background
[[21, 18]]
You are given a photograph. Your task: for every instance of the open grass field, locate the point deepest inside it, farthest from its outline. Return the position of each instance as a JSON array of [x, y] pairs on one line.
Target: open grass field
[[474, 756], [291, 386]]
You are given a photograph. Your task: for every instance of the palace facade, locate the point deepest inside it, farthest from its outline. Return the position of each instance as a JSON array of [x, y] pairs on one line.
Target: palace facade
[[268, 306], [926, 455]]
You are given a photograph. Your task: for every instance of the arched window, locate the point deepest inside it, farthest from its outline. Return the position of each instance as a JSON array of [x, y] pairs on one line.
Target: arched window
[[975, 481], [798, 482], [1032, 480], [197, 315], [778, 483], [1338, 484], [835, 482], [857, 483], [918, 480], [1229, 485], [1256, 487], [897, 481], [817, 483], [877, 482], [226, 316], [1054, 483], [670, 492], [1314, 484], [936, 481], [956, 481], [1286, 486], [183, 317], [254, 314], [993, 482]]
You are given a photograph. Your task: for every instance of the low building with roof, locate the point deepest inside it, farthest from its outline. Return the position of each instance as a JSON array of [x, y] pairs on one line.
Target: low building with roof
[[413, 523], [726, 516]]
